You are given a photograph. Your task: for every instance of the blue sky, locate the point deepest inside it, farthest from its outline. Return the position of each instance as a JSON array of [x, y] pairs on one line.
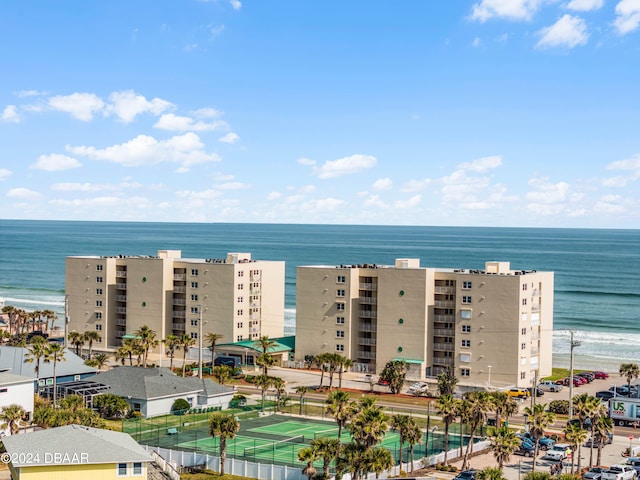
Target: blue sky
[[479, 113]]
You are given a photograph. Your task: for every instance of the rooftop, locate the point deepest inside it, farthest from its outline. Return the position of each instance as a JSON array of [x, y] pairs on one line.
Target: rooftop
[[12, 358]]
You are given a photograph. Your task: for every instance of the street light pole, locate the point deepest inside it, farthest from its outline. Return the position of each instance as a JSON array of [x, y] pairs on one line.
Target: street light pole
[[489, 367], [573, 344], [200, 342]]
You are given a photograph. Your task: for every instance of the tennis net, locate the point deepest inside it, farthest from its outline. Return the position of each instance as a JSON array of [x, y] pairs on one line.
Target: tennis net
[[272, 447]]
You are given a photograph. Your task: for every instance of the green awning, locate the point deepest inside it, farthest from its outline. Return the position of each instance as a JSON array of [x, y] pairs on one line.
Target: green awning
[[409, 360], [129, 335]]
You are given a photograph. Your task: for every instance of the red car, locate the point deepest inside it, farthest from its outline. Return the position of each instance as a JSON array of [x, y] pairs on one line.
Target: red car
[[601, 375], [577, 381]]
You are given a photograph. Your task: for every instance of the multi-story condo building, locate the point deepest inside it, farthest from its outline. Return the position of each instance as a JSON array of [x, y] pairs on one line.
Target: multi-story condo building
[[492, 326], [238, 297]]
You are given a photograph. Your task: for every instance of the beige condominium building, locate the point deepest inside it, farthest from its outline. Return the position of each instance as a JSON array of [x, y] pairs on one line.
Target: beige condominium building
[[493, 327], [238, 297]]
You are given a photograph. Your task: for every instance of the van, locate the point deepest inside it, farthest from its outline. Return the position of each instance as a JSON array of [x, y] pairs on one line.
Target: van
[[232, 362], [518, 392]]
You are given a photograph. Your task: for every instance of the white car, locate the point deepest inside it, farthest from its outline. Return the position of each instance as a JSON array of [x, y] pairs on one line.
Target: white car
[[549, 386], [419, 388], [560, 451]]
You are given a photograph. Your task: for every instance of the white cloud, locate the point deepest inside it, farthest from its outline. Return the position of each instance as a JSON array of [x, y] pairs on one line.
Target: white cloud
[[382, 184], [4, 174], [306, 189], [207, 113], [482, 164], [10, 114], [229, 138], [306, 161], [609, 204], [176, 123], [416, 185], [345, 166], [80, 105], [234, 186], [615, 182], [324, 204], [584, 5], [55, 162], [103, 201], [127, 105], [144, 150], [375, 201], [627, 16], [476, 42], [194, 195], [274, 196], [630, 164], [92, 187], [510, 9], [23, 194], [546, 198], [409, 203], [29, 93], [568, 31], [235, 4]]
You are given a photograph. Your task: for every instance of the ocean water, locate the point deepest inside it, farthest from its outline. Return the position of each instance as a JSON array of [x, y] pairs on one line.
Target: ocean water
[[597, 272]]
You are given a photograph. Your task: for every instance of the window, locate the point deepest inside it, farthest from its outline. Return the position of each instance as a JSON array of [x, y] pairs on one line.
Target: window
[[523, 346], [523, 331], [239, 312], [194, 298], [240, 299], [194, 334], [340, 307], [99, 327], [340, 320], [137, 468], [194, 310], [524, 317], [339, 347], [465, 314], [194, 284], [98, 279], [98, 303], [241, 274], [524, 286], [194, 272], [466, 343], [524, 301], [99, 268], [465, 372], [340, 333], [465, 357], [466, 299], [240, 286], [194, 322], [466, 328], [466, 285], [340, 293], [341, 279], [239, 338], [99, 315], [239, 325], [98, 291], [4, 390], [523, 375], [122, 469]]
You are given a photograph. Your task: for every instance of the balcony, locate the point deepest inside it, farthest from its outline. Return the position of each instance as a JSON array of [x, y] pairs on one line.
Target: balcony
[[121, 322], [179, 301], [179, 289], [367, 327], [121, 274], [367, 314], [367, 355], [535, 293], [254, 330], [535, 350], [444, 318], [120, 333], [443, 361], [121, 310], [444, 332], [368, 300], [444, 304], [181, 277], [366, 341], [254, 290], [443, 347], [121, 286], [255, 278], [369, 286], [445, 290], [179, 326], [121, 298], [536, 308], [179, 314]]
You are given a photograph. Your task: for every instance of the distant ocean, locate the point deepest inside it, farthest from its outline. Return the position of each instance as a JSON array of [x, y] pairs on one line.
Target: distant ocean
[[597, 272]]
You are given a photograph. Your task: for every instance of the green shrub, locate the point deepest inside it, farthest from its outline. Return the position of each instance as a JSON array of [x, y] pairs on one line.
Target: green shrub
[[559, 407], [180, 405]]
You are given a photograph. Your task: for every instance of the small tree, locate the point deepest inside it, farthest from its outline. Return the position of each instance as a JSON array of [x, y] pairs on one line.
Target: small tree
[[308, 455], [630, 371], [222, 373], [180, 405], [447, 382], [225, 426], [11, 416], [395, 372]]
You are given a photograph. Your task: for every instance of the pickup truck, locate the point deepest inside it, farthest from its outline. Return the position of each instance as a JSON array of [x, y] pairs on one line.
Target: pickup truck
[[558, 452], [619, 472]]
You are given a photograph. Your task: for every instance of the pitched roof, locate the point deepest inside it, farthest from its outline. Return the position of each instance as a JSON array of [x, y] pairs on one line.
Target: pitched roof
[[149, 383], [12, 358], [74, 444], [8, 378]]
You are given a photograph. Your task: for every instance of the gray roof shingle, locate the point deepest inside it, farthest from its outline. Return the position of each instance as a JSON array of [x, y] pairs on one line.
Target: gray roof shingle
[[12, 358]]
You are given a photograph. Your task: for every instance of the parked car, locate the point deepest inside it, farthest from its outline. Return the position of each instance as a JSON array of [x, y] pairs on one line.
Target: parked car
[[560, 451], [635, 463], [576, 421], [544, 443], [419, 388], [594, 473], [589, 377], [601, 375], [619, 472], [525, 450], [577, 381], [623, 390], [539, 391], [605, 395], [550, 386], [518, 392], [595, 441], [466, 475], [527, 442]]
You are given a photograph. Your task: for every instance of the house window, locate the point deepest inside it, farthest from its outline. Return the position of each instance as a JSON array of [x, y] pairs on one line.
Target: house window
[[122, 469], [524, 286], [523, 346], [194, 310], [241, 274], [239, 325], [466, 343], [340, 293], [240, 299], [98, 291], [239, 312], [524, 317], [98, 303], [465, 314], [465, 372], [240, 286], [194, 284], [466, 328], [136, 407], [339, 347], [194, 272], [341, 279], [194, 297], [99, 315], [523, 375], [99, 268], [98, 279], [524, 301], [239, 338], [466, 299], [194, 334], [194, 322], [340, 333], [99, 327], [340, 307], [137, 468], [466, 285], [340, 320], [523, 331]]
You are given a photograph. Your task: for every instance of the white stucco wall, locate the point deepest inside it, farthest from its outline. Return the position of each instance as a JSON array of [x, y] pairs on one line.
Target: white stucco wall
[[20, 394]]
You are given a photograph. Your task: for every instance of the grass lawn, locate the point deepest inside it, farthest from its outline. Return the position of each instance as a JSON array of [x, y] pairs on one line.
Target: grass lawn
[[115, 425], [558, 373]]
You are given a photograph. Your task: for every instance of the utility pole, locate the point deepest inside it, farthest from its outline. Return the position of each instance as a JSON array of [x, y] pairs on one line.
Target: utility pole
[[534, 390], [573, 344], [200, 342], [66, 319]]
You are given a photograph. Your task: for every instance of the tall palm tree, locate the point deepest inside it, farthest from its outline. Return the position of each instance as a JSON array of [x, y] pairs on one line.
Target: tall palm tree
[[212, 338], [11, 416], [353, 460], [603, 427], [320, 360], [539, 420], [414, 437], [222, 373], [225, 426], [148, 341], [504, 443], [301, 390], [278, 384], [401, 424], [369, 426], [345, 365], [448, 408], [49, 317], [447, 382], [35, 353], [265, 344], [101, 360], [504, 405], [598, 412], [631, 371], [77, 340], [264, 383], [172, 343], [328, 449], [338, 405], [308, 455], [92, 336], [185, 342], [378, 460], [55, 353], [575, 436], [265, 360], [12, 313], [476, 414]]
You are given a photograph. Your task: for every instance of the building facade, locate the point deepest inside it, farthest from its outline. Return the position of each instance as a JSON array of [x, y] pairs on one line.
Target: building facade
[[235, 296], [493, 327]]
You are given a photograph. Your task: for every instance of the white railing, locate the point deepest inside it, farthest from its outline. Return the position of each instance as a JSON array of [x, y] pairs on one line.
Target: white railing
[[180, 276], [444, 332], [368, 314], [179, 301], [445, 290], [179, 326], [367, 328], [121, 298], [444, 304], [179, 314], [368, 355], [121, 309], [368, 286], [446, 347], [368, 300], [443, 361], [166, 467], [444, 318], [121, 286], [179, 288], [121, 273], [367, 341]]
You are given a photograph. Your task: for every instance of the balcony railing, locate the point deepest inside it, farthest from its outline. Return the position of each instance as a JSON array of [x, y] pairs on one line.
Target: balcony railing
[[180, 276], [368, 300], [444, 332], [366, 341], [179, 301], [536, 307], [445, 290], [367, 328], [121, 298], [444, 304], [179, 326], [179, 314], [121, 309], [367, 355], [444, 318], [121, 322], [120, 333], [535, 350], [179, 288], [368, 314], [121, 286], [369, 286], [444, 347], [121, 273], [442, 361]]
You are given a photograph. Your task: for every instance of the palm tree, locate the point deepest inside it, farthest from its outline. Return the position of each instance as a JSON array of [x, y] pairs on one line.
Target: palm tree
[[4, 336], [264, 383], [346, 364], [302, 391], [265, 344], [222, 373], [73, 403], [101, 360], [265, 360], [172, 342], [631, 371], [37, 351], [92, 336], [479, 403], [55, 353], [491, 473], [77, 340], [328, 449], [369, 426], [448, 408], [504, 443], [401, 424], [278, 384], [598, 412], [49, 316], [11, 416], [338, 403], [585, 406], [12, 313], [185, 342], [603, 427], [503, 405], [147, 341], [213, 338], [575, 436], [447, 382], [352, 459], [129, 347], [320, 360], [539, 420], [414, 437], [378, 460], [225, 426], [308, 455]]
